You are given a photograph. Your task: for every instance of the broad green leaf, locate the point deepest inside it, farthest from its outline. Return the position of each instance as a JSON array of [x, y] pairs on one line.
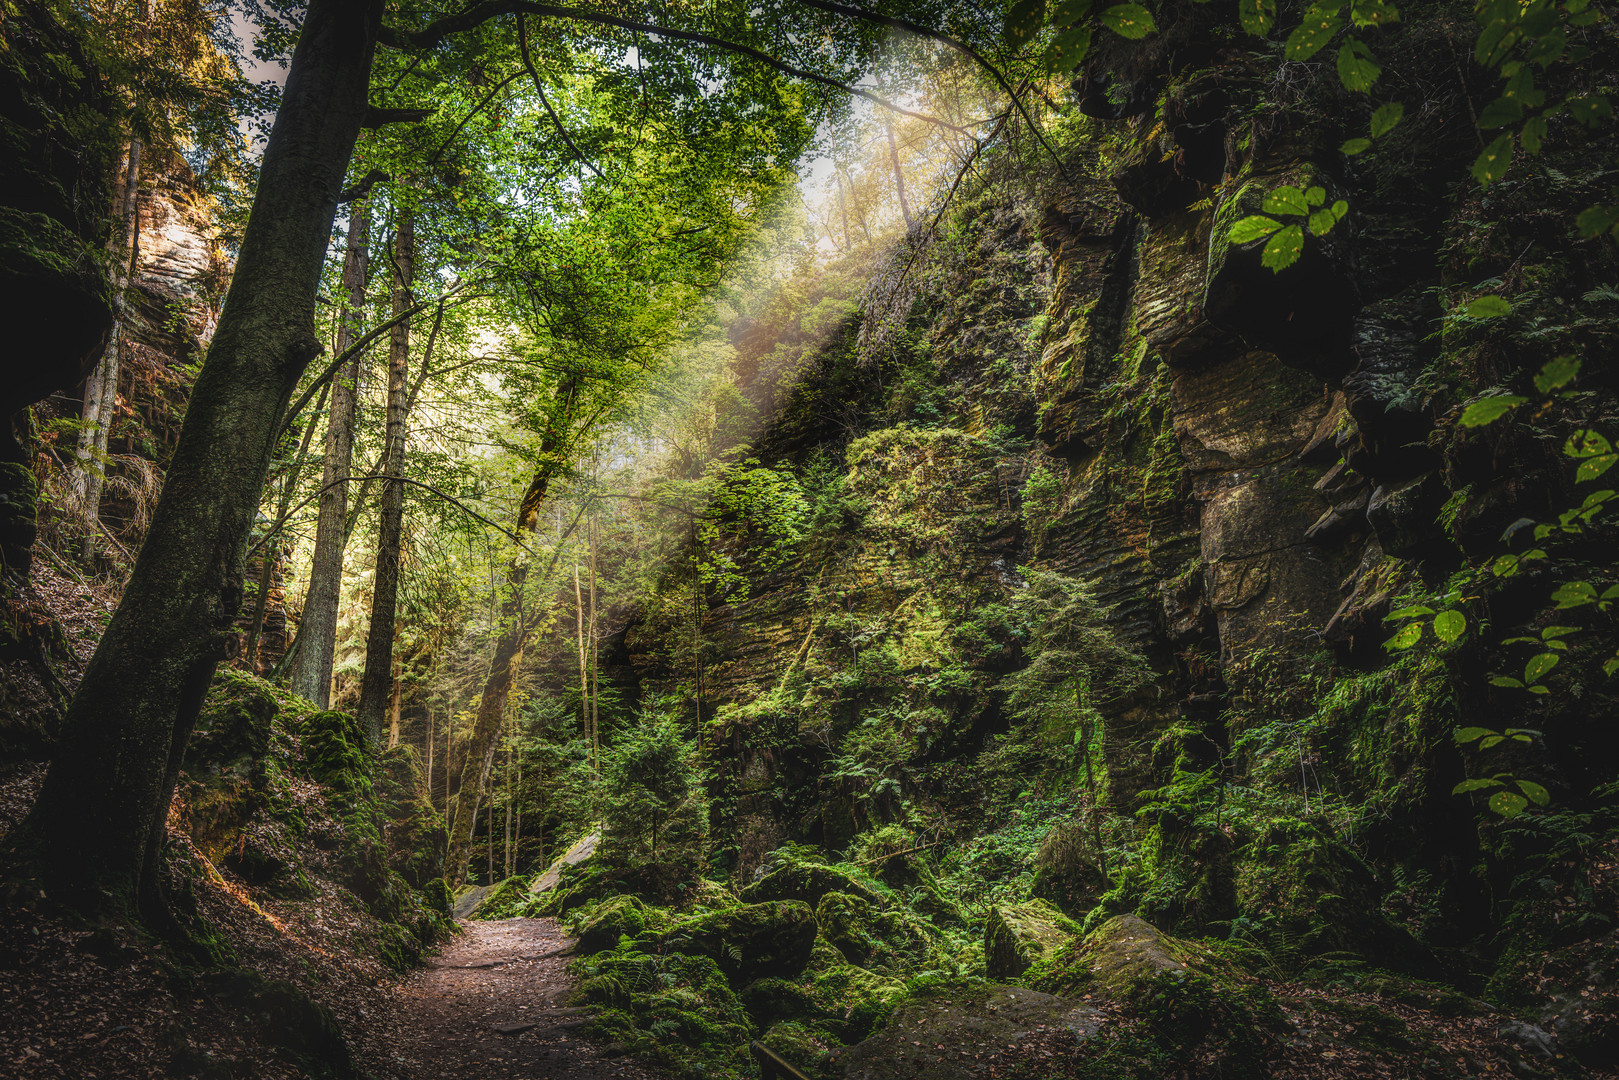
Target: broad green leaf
[[1589, 110], [1533, 134], [1352, 147], [1024, 20], [1129, 21], [1573, 594], [1552, 632], [1539, 690], [1315, 196], [1070, 49], [1538, 667], [1499, 113], [1386, 117], [1610, 666], [1415, 611], [1326, 219], [1471, 734], [1507, 681], [1373, 13], [1489, 410], [1488, 307], [1356, 68], [1313, 34], [1596, 220], [1284, 248], [1505, 566], [1286, 199], [1508, 804], [1491, 740], [1251, 228], [1537, 794], [1449, 625], [1591, 468], [1492, 163], [1586, 443], [1557, 373], [1408, 635], [1468, 786], [1258, 16]]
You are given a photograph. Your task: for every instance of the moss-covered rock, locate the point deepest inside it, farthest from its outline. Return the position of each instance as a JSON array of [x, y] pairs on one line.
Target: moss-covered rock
[[805, 1047], [870, 936], [807, 882], [752, 940], [509, 899], [417, 840], [1018, 935], [770, 1000], [857, 1001], [619, 916]]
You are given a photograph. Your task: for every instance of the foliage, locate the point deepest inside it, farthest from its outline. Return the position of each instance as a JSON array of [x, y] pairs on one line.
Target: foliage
[[652, 797]]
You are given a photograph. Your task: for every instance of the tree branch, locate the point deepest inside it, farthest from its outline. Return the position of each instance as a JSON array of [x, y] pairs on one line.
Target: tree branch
[[342, 358], [437, 31], [522, 40], [463, 507]]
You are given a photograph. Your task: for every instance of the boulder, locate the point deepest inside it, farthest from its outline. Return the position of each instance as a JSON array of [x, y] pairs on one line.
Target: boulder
[[807, 882], [1018, 935], [751, 941], [620, 916], [964, 1036]]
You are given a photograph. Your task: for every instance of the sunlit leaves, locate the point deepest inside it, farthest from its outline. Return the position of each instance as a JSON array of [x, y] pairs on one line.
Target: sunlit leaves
[[1594, 453], [1284, 248], [1258, 16], [1449, 625], [1129, 20], [1488, 307], [1324, 219], [1023, 20], [1355, 146], [1366, 13], [1312, 35], [1286, 200], [1386, 117], [1252, 228], [1493, 161], [1356, 68], [1407, 636], [1489, 410], [1556, 374]]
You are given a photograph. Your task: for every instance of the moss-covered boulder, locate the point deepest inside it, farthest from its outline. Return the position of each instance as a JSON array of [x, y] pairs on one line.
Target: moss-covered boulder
[[751, 941], [803, 1046], [807, 882], [507, 900], [417, 840], [770, 1000], [619, 916], [964, 1036], [855, 1001], [872, 936], [1018, 935]]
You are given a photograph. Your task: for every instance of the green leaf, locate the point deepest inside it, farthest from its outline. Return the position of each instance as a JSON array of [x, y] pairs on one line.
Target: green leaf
[[1488, 307], [1069, 50], [1533, 134], [1573, 594], [1313, 34], [1129, 21], [1449, 625], [1539, 690], [1611, 592], [1507, 681], [1537, 794], [1258, 16], [1557, 373], [1489, 410], [1284, 248], [1352, 147], [1492, 163], [1586, 443], [1610, 666], [1408, 635], [1251, 228], [1386, 117], [1286, 199], [1356, 68], [1552, 632], [1499, 113], [1412, 612], [1596, 220], [1468, 786], [1315, 196], [1538, 667], [1373, 13], [1024, 20], [1591, 468], [1471, 734], [1505, 566], [1324, 220], [1508, 804], [1589, 110]]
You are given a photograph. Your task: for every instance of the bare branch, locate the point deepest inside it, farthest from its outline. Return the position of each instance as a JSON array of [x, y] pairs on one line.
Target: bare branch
[[522, 40]]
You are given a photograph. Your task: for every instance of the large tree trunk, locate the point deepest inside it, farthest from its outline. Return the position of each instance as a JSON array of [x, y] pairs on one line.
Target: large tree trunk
[[99, 821], [376, 685], [311, 673]]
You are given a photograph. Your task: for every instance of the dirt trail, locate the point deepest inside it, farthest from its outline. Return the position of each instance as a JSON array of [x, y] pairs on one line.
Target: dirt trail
[[493, 1005]]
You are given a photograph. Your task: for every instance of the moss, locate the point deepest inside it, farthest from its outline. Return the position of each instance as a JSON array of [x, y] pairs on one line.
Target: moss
[[857, 1000], [507, 900], [676, 1009], [769, 1000], [600, 927], [807, 882], [1018, 935], [805, 1047], [752, 940]]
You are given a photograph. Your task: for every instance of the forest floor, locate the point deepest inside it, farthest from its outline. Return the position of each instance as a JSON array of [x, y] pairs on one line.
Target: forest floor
[[493, 1005]]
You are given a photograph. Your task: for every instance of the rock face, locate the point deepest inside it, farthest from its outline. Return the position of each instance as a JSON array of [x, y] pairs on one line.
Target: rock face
[[1017, 936], [966, 1036]]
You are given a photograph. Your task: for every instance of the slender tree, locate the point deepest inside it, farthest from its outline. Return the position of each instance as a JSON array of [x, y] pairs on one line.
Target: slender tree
[[311, 672]]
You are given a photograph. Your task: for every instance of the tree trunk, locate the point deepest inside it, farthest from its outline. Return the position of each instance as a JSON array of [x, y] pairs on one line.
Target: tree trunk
[[376, 686], [893, 157], [101, 388], [311, 674], [99, 821]]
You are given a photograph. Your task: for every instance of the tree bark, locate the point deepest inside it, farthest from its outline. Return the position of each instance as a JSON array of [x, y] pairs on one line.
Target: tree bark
[[899, 173], [99, 821], [376, 686], [101, 388], [311, 674]]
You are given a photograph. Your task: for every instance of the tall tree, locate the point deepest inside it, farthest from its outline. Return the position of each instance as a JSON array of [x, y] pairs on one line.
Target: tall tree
[[376, 686], [98, 825], [311, 672]]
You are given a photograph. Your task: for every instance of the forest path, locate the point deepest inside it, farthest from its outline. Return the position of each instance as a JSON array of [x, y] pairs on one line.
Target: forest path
[[493, 1005]]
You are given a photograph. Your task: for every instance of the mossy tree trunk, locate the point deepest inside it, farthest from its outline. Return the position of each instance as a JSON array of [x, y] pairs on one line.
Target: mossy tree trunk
[[98, 825], [311, 672], [376, 685]]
